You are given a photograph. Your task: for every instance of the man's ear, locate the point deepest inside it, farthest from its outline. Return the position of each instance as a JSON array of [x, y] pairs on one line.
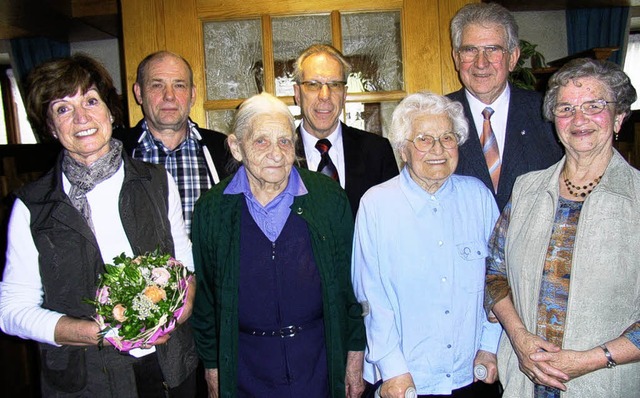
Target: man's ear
[[137, 91]]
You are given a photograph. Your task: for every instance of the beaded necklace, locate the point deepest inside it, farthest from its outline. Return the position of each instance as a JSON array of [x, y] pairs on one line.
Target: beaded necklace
[[580, 191]]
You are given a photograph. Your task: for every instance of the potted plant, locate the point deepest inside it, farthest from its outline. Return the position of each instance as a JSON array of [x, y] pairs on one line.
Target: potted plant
[[522, 76]]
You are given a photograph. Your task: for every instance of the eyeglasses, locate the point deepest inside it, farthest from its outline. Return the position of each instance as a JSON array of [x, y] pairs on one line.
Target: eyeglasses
[[425, 142], [493, 54], [313, 85], [588, 108]]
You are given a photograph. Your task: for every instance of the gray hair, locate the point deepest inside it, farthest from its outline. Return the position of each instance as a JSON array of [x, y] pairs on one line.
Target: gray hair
[[321, 49], [484, 14], [141, 73], [609, 74], [428, 103], [259, 104]]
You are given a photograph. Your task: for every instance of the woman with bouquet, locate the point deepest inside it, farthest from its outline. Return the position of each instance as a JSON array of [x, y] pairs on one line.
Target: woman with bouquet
[[95, 204], [275, 314]]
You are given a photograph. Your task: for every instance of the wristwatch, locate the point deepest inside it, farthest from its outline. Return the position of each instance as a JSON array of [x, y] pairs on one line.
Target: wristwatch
[[610, 362]]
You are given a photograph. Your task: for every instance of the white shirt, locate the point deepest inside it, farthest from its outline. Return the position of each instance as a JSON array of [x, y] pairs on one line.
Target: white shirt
[[336, 153], [499, 118], [21, 291]]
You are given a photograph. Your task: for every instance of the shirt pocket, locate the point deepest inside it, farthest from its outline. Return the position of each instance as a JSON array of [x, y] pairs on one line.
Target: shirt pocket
[[470, 265]]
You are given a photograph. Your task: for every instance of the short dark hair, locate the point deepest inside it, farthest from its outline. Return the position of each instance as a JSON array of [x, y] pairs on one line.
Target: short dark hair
[[142, 67], [63, 77]]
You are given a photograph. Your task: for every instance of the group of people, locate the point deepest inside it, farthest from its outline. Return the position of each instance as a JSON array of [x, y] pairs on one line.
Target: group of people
[[321, 269]]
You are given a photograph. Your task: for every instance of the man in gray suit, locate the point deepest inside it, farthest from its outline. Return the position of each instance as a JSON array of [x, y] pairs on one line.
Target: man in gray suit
[[485, 44]]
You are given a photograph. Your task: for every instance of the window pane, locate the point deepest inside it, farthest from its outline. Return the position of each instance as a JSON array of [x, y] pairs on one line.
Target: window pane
[[233, 59], [220, 120], [372, 43], [372, 117], [291, 35]]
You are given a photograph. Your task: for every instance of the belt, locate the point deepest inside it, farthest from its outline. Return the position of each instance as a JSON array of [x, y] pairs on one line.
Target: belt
[[287, 331]]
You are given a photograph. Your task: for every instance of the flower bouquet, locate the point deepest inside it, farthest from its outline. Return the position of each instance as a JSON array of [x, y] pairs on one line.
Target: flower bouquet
[[140, 299]]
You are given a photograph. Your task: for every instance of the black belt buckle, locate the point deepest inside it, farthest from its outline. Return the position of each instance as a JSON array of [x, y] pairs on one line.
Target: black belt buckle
[[289, 331]]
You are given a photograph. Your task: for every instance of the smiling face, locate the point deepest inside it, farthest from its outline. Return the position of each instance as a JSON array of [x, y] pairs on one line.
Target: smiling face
[[166, 95], [483, 79], [430, 169], [587, 135], [82, 124], [267, 153], [321, 109]]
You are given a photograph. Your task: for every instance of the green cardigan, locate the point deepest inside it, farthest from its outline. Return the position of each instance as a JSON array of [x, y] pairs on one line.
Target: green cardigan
[[216, 245]]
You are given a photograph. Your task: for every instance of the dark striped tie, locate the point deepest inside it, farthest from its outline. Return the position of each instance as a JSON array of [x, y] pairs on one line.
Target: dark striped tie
[[326, 166]]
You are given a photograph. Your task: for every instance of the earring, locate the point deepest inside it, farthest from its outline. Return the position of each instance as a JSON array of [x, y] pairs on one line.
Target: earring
[[112, 119], [616, 136]]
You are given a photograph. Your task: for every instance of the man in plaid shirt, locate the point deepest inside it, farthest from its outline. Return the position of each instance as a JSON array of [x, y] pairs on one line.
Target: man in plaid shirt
[[195, 157]]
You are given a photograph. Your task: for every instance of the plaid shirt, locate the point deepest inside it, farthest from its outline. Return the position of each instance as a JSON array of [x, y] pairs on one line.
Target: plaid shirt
[[186, 164]]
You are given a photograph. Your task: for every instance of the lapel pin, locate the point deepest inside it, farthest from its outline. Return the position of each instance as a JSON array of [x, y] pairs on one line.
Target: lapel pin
[[523, 132]]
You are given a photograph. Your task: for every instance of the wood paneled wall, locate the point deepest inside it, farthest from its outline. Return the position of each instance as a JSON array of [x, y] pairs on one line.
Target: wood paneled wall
[[176, 25]]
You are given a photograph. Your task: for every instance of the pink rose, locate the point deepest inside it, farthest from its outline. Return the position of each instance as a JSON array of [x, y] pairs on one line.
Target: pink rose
[[103, 295], [173, 262], [160, 276], [118, 313]]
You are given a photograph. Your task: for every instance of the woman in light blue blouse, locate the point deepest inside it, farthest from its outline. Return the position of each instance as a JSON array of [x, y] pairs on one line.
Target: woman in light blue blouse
[[419, 261]]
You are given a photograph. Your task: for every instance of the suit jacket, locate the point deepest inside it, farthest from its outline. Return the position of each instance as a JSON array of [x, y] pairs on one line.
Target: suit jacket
[[368, 161], [213, 140], [530, 143]]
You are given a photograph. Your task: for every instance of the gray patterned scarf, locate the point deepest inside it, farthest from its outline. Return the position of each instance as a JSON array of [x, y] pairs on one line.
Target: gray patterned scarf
[[84, 178]]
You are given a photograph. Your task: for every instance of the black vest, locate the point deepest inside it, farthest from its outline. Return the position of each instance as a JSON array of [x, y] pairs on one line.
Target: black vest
[[70, 259]]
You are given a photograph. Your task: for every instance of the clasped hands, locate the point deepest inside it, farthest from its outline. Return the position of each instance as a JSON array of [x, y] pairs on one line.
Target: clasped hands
[[547, 364]]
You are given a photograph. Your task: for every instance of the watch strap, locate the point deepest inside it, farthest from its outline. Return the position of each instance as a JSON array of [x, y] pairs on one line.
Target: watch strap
[[610, 362]]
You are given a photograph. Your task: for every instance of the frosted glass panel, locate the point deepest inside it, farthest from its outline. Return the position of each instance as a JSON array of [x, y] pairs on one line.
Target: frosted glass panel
[[292, 35], [233, 59], [372, 43], [220, 120], [372, 117]]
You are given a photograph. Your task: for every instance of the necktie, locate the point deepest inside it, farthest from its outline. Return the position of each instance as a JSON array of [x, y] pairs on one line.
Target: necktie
[[326, 166], [490, 148]]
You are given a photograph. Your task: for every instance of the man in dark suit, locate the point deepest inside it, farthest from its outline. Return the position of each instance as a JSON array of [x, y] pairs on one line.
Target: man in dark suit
[[485, 44], [195, 157], [359, 159]]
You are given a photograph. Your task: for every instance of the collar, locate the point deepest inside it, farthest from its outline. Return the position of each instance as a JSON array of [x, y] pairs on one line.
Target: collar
[[149, 141], [477, 106], [417, 197], [239, 184], [309, 140]]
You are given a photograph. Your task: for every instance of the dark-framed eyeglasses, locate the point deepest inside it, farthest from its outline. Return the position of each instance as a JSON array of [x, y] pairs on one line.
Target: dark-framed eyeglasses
[[424, 142], [588, 108], [493, 54], [314, 85]]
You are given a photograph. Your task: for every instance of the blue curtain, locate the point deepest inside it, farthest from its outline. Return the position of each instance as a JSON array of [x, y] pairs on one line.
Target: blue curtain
[[597, 27], [28, 53]]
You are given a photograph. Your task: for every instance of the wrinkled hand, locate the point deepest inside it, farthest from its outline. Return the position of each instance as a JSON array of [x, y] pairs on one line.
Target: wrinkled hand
[[211, 377], [572, 363], [490, 361], [354, 384], [395, 387], [525, 344]]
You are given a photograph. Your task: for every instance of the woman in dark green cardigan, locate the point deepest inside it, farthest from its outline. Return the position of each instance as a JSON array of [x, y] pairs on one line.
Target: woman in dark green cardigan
[[250, 337]]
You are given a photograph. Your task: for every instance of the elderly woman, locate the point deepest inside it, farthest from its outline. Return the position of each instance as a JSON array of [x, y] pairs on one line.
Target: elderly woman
[[93, 205], [275, 314], [419, 261], [563, 274]]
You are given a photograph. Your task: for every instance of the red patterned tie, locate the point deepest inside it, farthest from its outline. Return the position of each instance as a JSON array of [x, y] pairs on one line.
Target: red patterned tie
[[326, 166], [490, 148]]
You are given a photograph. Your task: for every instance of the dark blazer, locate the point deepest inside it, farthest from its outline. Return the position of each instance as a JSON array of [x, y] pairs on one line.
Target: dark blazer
[[368, 161], [530, 143], [213, 140]]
